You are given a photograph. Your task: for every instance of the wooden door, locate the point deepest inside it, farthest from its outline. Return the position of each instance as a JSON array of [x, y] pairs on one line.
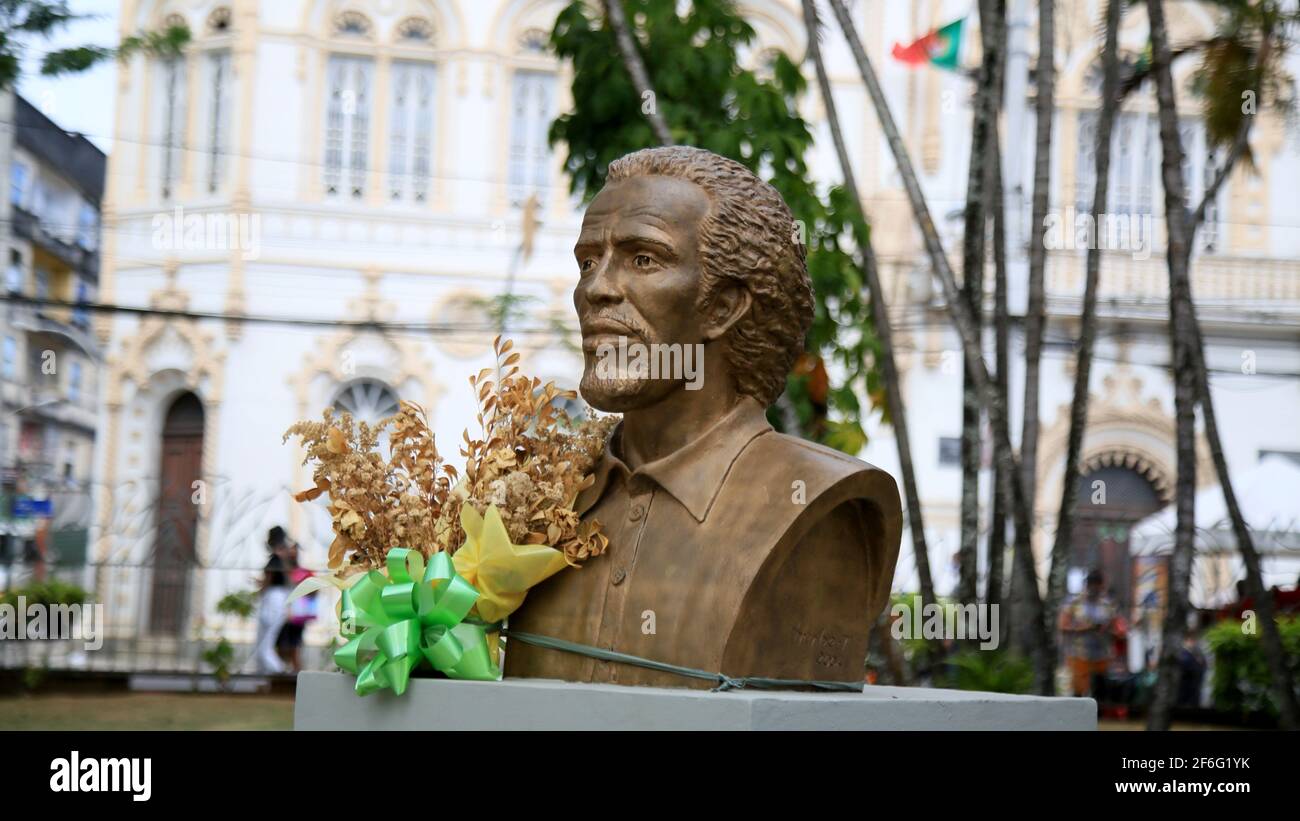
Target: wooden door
[[175, 555]]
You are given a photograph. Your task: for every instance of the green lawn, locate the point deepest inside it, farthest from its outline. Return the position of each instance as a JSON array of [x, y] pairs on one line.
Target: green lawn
[[146, 711]]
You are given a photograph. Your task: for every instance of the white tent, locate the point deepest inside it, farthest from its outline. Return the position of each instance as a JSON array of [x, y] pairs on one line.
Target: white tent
[[1269, 495]]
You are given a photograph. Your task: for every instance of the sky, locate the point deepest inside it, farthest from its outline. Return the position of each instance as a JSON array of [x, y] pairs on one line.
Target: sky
[[77, 102]]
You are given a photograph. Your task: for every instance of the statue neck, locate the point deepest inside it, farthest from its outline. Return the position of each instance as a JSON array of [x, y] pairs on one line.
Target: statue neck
[[666, 427]]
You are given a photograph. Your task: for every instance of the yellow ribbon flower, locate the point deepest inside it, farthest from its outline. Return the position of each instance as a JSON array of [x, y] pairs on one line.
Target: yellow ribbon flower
[[502, 572]]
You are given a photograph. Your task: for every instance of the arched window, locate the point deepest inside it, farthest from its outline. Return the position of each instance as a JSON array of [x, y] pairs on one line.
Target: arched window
[[219, 21], [414, 30], [1135, 192], [367, 400], [218, 115], [171, 80], [352, 24], [535, 41], [532, 106], [349, 78], [410, 124], [347, 124]]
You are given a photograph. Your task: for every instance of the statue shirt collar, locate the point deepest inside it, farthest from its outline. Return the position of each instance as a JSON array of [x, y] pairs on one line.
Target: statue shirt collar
[[693, 474]]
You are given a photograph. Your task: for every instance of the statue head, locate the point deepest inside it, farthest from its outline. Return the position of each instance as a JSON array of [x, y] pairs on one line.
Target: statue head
[[687, 249]]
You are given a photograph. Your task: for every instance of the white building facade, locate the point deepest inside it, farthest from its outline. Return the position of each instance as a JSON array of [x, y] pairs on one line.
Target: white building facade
[[358, 172]]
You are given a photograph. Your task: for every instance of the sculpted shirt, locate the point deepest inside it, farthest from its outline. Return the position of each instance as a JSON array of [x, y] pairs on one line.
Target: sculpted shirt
[[746, 552]]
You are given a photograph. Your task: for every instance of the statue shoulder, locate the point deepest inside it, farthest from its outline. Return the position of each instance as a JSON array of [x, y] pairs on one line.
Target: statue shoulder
[[786, 460]]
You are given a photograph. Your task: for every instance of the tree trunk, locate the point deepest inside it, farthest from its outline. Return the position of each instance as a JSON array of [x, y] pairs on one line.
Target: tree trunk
[[978, 190], [1274, 654], [635, 66], [1036, 307], [1002, 330], [1182, 337], [880, 318], [1087, 321], [1044, 667]]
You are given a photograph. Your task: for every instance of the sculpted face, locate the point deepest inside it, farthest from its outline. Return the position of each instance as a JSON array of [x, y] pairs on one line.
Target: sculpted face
[[639, 279]]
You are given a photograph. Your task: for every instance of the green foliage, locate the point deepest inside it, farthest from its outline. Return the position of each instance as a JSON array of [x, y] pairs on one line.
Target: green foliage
[[709, 100], [239, 604], [48, 593], [219, 658], [20, 19], [1241, 683], [1231, 80], [34, 677], [957, 665], [169, 42], [992, 671], [504, 310]]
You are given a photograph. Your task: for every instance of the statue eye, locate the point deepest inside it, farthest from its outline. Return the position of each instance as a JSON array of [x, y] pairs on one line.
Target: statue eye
[[587, 265], [643, 261]]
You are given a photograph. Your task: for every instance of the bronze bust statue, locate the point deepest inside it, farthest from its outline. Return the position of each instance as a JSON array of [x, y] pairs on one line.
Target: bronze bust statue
[[733, 548]]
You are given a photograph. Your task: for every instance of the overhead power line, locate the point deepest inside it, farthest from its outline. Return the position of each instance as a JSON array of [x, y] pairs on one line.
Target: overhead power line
[[433, 328]]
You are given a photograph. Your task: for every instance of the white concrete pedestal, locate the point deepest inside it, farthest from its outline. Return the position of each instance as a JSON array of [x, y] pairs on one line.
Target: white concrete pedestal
[[326, 701]]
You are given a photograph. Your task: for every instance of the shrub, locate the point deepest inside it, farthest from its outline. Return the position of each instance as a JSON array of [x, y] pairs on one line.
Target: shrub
[[1241, 683], [49, 593], [992, 671]]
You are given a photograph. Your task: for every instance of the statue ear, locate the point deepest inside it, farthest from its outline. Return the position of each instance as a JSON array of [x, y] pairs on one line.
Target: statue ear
[[728, 305]]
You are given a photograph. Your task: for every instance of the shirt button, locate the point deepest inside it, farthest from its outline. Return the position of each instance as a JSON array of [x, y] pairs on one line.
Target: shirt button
[[619, 575], [638, 510]]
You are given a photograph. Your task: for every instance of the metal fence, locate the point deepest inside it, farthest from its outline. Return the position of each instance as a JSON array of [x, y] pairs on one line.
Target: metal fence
[[149, 618]]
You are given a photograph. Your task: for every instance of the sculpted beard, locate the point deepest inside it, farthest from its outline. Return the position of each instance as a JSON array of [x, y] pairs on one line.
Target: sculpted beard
[[604, 385]]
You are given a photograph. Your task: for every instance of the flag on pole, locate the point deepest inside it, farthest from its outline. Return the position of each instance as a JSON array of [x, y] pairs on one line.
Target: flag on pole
[[939, 48]]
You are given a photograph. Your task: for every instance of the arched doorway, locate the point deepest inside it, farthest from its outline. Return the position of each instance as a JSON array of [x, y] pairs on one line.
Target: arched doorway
[[175, 553], [1112, 497]]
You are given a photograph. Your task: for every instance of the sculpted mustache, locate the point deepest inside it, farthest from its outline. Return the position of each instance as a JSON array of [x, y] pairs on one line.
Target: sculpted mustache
[[630, 327]]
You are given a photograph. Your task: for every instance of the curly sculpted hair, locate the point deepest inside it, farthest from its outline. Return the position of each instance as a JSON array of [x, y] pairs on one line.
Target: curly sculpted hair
[[748, 237]]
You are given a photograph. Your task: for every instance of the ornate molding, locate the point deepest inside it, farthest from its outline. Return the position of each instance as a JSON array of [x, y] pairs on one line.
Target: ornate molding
[[1125, 429], [206, 372]]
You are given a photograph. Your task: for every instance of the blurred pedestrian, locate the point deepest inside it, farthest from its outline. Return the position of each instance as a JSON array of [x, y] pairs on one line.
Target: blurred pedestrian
[[273, 591], [301, 610], [1087, 626], [1191, 672]]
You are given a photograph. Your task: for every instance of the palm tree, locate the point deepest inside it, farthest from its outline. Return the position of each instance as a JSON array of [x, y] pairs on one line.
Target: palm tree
[[879, 315], [1036, 307], [636, 70], [1255, 32], [1244, 18], [968, 334], [979, 185], [1002, 348], [1182, 336], [1087, 319]]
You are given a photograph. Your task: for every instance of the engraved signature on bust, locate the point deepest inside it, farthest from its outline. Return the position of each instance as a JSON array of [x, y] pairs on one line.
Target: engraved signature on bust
[[829, 646]]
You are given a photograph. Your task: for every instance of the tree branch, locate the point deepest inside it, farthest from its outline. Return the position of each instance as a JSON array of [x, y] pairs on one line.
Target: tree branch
[[636, 70]]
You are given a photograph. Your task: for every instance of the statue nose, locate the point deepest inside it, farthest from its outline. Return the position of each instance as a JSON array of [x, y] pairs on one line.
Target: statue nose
[[602, 286]]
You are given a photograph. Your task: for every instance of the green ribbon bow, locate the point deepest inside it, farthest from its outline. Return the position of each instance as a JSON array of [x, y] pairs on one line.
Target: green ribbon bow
[[406, 621]]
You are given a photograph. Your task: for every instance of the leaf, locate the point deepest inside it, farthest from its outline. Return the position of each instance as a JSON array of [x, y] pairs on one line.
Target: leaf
[[322, 486]]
